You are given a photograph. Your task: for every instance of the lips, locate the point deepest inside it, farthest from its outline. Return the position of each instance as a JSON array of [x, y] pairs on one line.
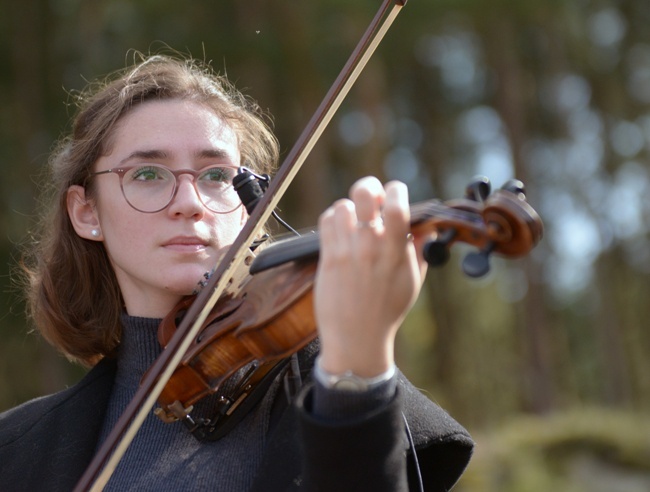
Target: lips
[[186, 243]]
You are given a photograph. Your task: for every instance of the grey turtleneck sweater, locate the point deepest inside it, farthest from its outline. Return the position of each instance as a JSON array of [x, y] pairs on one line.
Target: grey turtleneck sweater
[[167, 455]]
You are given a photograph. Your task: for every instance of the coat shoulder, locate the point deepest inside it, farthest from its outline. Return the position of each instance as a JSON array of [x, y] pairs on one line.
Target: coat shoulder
[[68, 421], [20, 420]]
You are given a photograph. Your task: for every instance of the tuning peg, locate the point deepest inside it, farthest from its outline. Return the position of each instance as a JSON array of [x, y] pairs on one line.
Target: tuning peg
[[479, 189], [436, 252], [514, 186], [477, 264]]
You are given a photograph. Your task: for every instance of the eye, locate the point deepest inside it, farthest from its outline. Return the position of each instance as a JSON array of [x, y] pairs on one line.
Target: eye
[[218, 175], [148, 173]]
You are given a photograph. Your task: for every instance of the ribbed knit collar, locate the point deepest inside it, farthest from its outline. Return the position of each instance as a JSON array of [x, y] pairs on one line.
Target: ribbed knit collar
[[138, 350]]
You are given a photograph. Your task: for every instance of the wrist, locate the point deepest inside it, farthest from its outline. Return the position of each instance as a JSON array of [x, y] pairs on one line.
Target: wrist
[[348, 380], [365, 358]]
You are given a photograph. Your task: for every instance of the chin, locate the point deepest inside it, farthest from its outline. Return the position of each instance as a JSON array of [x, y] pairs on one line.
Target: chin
[[186, 284]]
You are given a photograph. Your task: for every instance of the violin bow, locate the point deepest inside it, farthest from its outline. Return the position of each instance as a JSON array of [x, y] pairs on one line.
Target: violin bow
[[107, 458]]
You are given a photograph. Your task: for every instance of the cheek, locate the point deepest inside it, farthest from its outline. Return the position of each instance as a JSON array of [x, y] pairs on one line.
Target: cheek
[[228, 227], [123, 229], [125, 241]]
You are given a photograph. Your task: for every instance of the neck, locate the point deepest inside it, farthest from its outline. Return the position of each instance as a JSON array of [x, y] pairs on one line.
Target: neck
[[152, 308]]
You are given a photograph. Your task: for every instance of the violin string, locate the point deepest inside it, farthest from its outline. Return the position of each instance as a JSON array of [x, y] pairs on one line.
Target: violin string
[[434, 208]]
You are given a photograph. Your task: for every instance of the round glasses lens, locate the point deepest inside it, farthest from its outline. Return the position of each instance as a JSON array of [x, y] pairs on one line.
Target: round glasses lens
[[148, 188], [216, 189]]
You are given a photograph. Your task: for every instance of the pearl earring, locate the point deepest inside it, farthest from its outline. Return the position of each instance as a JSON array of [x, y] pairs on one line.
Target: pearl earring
[[95, 233]]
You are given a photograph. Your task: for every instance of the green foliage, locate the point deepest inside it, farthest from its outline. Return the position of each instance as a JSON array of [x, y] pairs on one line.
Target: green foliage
[[585, 450]]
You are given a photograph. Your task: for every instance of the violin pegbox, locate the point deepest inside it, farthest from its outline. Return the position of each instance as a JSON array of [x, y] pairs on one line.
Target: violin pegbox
[[502, 222]]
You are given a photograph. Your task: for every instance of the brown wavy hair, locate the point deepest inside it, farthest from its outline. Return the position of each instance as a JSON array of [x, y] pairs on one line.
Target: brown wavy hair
[[72, 292]]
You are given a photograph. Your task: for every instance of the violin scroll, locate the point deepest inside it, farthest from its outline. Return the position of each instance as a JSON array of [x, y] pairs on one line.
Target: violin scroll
[[502, 223]]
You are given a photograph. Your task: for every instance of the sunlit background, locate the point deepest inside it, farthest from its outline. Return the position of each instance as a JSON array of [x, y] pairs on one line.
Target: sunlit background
[[546, 360]]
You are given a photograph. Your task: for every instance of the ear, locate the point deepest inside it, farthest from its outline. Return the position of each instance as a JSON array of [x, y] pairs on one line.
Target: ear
[[244, 216], [83, 214]]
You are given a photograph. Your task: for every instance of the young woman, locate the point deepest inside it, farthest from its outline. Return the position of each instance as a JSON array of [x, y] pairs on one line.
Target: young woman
[[142, 207]]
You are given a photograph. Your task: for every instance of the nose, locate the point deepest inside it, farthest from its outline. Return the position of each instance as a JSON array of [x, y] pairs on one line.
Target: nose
[[186, 200]]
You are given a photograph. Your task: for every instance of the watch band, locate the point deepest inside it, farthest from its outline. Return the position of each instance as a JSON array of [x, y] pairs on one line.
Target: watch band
[[348, 381]]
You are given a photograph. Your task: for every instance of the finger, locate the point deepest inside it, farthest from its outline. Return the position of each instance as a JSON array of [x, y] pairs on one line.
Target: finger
[[334, 225], [344, 217], [396, 211], [368, 196]]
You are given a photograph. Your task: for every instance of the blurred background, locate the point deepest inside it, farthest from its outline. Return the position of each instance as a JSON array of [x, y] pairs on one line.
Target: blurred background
[[546, 360]]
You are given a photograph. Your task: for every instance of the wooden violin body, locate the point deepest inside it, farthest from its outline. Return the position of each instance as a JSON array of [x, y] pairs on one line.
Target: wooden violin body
[[270, 319]]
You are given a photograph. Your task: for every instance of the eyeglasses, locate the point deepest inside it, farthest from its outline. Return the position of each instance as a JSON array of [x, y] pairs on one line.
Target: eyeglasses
[[151, 188]]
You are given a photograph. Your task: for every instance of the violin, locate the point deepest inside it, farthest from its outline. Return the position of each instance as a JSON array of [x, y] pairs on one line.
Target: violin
[[268, 315]]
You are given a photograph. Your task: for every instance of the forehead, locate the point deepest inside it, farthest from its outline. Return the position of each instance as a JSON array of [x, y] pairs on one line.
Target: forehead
[[170, 125]]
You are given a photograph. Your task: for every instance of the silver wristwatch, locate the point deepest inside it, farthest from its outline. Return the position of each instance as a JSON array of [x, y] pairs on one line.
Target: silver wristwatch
[[348, 381]]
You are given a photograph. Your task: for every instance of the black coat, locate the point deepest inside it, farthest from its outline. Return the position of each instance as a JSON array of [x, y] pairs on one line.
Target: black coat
[[47, 443]]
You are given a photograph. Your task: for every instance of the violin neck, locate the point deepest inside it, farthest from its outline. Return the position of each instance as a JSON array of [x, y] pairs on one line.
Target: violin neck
[[307, 247]]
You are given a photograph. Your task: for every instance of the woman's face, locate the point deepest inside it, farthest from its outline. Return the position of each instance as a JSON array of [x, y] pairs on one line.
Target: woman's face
[[160, 257]]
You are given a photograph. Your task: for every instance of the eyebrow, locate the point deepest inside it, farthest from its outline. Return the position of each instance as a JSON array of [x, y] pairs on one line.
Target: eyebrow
[[213, 154], [145, 154], [161, 154]]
